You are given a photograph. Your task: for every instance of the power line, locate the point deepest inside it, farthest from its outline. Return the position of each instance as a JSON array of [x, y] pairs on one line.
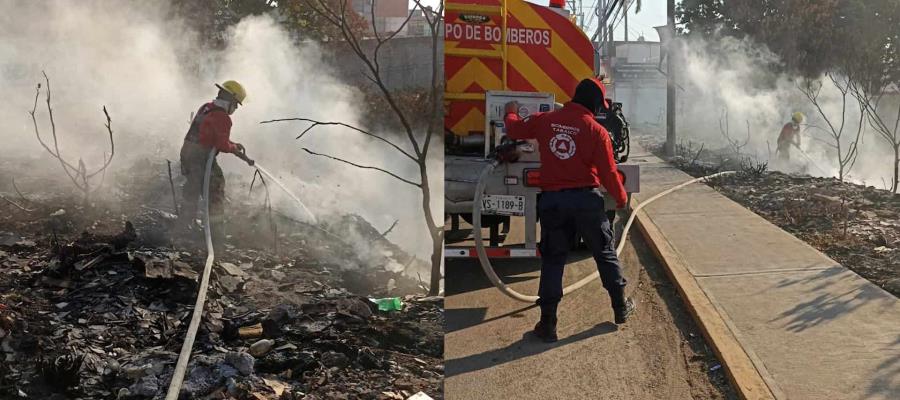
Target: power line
[[593, 14]]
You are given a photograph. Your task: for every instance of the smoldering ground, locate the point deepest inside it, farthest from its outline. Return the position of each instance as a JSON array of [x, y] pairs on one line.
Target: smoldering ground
[[149, 70]]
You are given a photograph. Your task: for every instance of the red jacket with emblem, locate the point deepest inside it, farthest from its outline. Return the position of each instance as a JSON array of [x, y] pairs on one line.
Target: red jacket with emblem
[[576, 151]]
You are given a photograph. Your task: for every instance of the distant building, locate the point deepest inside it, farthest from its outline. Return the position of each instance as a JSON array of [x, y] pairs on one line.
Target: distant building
[[418, 25], [388, 14], [637, 83]]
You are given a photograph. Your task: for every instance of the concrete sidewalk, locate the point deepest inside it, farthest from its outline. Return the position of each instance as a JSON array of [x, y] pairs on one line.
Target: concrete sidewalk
[[811, 328]]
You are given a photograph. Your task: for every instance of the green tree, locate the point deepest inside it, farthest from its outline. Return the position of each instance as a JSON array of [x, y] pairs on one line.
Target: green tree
[[875, 62], [211, 19], [801, 32], [302, 20]]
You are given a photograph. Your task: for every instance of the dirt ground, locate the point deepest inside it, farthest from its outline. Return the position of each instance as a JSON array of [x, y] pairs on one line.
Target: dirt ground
[[697, 368], [95, 299], [857, 226], [658, 354]]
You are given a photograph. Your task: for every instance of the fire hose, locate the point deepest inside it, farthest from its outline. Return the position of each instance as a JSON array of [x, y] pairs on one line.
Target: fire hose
[[187, 346], [185, 355], [489, 268], [808, 158]]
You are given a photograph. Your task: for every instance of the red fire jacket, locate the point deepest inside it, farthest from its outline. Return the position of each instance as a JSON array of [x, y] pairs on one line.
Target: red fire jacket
[[789, 136], [215, 129], [576, 151]]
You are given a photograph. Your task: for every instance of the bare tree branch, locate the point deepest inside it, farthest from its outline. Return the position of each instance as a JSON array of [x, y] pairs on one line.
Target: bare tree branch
[[869, 98], [421, 149], [316, 123], [846, 157], [15, 204], [112, 146], [78, 175], [267, 205], [19, 192], [380, 41], [66, 166], [372, 66], [172, 187], [736, 145], [391, 228], [820, 140], [433, 21], [404, 180]]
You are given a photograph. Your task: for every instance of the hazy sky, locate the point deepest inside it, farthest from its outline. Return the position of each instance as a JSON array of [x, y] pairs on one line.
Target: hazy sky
[[653, 13]]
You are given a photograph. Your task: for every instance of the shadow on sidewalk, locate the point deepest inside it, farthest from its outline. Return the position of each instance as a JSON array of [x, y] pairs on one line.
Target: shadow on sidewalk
[[827, 307], [527, 346], [887, 380]]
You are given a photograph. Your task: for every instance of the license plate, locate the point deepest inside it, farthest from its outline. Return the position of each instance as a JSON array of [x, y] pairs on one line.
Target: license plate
[[497, 204]]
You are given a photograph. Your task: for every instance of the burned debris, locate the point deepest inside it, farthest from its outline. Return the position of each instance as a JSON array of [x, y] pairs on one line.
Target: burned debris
[[94, 303]]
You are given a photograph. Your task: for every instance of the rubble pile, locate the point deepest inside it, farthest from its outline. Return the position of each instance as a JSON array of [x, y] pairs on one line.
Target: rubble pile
[[858, 226], [95, 303]]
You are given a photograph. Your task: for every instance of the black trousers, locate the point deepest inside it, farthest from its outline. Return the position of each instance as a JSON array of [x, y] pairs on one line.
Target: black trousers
[[565, 216], [193, 167]]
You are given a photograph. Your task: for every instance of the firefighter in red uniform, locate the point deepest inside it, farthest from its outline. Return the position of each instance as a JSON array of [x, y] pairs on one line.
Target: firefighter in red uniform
[[210, 129], [789, 137], [576, 158]]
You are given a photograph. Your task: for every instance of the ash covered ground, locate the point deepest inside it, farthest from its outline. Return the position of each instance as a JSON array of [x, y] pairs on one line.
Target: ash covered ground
[[95, 298], [856, 225]]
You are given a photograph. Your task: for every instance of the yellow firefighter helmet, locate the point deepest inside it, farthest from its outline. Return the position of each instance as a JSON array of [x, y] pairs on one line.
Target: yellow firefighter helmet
[[235, 89], [797, 117]]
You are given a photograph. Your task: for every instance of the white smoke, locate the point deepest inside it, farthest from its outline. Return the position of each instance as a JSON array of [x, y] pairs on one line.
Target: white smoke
[[151, 74], [737, 75]]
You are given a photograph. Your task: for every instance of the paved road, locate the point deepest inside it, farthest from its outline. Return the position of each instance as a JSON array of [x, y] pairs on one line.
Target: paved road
[[489, 355]]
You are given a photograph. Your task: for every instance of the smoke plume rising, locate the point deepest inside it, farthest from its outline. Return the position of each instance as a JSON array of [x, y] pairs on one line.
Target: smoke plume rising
[[740, 76], [151, 73]]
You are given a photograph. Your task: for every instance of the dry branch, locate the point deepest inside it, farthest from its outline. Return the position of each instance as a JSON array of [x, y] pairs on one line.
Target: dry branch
[[395, 176], [338, 17], [391, 228], [112, 146], [79, 175], [15, 204], [736, 145], [846, 154], [267, 205], [172, 186], [19, 192], [315, 123], [869, 99]]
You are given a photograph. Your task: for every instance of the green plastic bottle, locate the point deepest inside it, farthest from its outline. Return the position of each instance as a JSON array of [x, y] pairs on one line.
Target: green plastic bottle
[[388, 304]]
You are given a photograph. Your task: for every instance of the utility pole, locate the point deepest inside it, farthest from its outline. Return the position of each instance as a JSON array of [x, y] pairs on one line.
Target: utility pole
[[611, 49], [670, 81], [626, 25]]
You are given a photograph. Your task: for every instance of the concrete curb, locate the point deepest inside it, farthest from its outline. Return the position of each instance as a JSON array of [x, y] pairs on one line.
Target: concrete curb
[[743, 374]]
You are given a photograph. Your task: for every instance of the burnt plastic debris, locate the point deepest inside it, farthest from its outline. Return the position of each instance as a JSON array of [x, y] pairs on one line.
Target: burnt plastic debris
[[102, 314]]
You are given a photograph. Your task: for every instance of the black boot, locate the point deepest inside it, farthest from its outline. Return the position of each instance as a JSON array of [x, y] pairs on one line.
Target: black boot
[[624, 311], [622, 306], [546, 329]]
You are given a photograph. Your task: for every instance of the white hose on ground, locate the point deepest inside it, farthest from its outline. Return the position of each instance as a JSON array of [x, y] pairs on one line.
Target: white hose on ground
[[188, 345], [489, 268]]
